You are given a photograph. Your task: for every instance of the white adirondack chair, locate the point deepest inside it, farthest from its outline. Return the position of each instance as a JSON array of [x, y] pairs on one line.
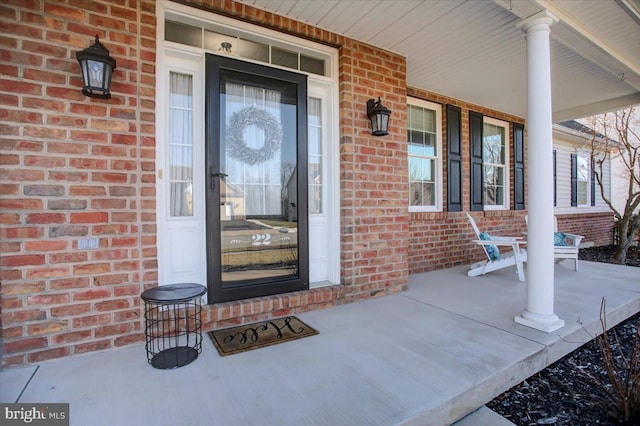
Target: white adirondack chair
[[570, 251], [517, 256]]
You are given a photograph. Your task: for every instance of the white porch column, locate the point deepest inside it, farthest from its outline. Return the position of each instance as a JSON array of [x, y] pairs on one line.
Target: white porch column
[[539, 313]]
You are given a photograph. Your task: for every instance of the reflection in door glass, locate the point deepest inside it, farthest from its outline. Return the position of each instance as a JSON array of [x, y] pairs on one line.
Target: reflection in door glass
[[258, 197]]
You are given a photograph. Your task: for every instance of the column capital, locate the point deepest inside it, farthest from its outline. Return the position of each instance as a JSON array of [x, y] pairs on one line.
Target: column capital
[[543, 18]]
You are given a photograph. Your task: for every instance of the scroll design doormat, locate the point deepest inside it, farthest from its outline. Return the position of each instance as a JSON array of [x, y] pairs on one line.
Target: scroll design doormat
[[247, 337]]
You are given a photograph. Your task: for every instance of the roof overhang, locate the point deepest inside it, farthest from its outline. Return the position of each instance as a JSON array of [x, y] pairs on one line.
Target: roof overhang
[[473, 50]]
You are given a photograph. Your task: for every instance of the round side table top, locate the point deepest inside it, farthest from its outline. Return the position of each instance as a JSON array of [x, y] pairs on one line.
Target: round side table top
[[170, 293]]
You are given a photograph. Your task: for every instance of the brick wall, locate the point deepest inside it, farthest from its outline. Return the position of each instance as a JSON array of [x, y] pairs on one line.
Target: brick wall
[[373, 180], [597, 228], [443, 239], [75, 167]]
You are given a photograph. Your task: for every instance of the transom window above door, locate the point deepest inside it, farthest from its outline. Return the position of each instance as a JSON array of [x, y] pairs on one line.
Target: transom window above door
[[241, 45]]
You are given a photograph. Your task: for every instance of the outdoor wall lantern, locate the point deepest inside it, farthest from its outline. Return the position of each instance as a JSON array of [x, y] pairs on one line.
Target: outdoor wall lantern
[[379, 116], [97, 67]]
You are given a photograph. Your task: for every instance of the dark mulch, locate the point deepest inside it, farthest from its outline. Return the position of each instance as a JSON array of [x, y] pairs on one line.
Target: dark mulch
[[605, 254], [574, 390]]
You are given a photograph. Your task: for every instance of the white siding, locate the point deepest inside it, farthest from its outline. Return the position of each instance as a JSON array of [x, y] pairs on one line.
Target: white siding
[[564, 148]]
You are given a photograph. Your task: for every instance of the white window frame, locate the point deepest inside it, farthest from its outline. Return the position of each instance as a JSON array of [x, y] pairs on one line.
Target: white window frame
[[587, 159], [506, 166], [437, 207]]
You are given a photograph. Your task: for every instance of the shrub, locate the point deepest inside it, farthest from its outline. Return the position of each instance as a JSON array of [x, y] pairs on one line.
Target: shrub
[[623, 371]]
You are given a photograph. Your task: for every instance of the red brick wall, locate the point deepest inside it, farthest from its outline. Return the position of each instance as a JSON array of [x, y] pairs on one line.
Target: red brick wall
[[597, 228], [76, 167], [374, 184]]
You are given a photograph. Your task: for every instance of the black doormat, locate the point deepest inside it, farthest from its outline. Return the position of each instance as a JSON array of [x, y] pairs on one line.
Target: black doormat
[[247, 337]]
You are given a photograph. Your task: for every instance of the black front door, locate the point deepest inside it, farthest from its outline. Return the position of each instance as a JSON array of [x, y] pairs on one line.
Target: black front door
[[256, 139]]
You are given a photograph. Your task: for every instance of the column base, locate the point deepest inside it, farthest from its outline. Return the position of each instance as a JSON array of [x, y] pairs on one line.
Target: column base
[[546, 323]]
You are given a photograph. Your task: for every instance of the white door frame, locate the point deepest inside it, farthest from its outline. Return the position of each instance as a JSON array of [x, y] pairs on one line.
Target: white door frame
[[174, 263]]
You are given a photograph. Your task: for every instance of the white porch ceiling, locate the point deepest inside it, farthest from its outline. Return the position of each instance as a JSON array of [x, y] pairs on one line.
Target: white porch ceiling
[[471, 49]]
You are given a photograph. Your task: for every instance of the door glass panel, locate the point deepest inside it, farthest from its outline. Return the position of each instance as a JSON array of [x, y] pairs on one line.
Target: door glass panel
[[181, 145], [258, 195], [315, 155]]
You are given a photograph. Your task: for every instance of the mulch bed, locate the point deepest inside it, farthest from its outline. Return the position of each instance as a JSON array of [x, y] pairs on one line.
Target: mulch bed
[[605, 254], [574, 390]]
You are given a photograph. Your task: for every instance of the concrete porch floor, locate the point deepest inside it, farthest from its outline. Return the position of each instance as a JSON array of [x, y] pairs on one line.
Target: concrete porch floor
[[428, 356]]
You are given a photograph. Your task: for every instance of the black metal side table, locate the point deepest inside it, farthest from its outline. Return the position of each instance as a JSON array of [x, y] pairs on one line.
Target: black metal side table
[[173, 324]]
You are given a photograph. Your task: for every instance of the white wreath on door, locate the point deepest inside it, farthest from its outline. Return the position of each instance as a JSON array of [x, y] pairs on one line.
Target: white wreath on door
[[237, 146]]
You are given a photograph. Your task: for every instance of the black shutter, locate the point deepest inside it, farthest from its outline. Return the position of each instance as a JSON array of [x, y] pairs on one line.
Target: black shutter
[[574, 180], [555, 179], [477, 184], [518, 166], [454, 159], [593, 182]]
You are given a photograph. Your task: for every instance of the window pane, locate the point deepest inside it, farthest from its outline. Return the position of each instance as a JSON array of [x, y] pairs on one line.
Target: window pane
[[429, 120], [180, 173], [416, 137], [420, 142], [582, 193], [181, 199], [430, 144], [253, 50], [284, 58], [219, 42], [583, 169], [494, 185], [415, 118], [315, 154], [422, 149], [315, 199], [422, 194], [183, 34], [495, 162], [583, 180], [422, 181], [494, 144], [312, 65]]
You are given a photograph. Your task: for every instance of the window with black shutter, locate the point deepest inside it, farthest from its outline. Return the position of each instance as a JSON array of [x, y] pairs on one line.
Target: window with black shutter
[[518, 166], [475, 135], [574, 180]]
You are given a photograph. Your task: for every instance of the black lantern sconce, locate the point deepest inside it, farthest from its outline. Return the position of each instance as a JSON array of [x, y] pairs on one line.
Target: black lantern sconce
[[379, 116], [97, 67]]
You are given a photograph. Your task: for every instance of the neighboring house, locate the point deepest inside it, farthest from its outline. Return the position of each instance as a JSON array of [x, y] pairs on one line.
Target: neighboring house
[[216, 103], [575, 188]]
